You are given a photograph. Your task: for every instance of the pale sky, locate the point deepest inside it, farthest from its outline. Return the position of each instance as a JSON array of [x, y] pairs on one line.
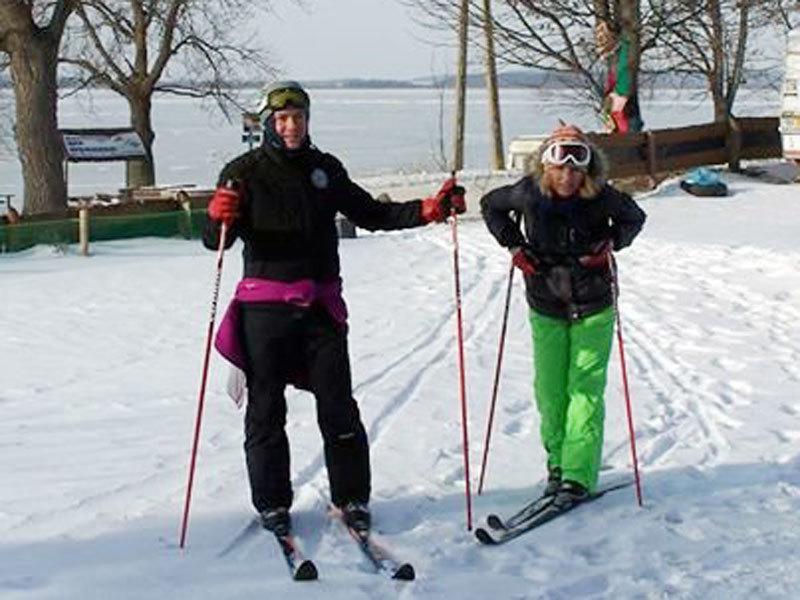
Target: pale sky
[[332, 39], [354, 38]]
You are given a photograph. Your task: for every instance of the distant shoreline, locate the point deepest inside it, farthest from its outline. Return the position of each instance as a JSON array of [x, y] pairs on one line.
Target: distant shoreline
[[527, 78]]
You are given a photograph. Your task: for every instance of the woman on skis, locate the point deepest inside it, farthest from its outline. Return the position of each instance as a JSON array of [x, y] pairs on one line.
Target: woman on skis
[[572, 221]]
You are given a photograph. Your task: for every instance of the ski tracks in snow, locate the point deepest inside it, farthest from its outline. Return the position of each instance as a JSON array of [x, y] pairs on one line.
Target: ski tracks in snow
[[713, 347], [713, 339], [707, 363], [698, 370], [422, 362]]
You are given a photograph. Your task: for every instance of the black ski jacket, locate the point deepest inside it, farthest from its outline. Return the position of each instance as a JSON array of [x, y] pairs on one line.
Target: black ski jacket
[[287, 218], [557, 233]]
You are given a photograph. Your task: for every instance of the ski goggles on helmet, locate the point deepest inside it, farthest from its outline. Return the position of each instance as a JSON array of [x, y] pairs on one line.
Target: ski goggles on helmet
[[286, 97], [562, 152]]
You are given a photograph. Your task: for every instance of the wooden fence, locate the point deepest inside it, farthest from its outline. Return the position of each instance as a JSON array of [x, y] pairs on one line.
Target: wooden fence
[[662, 150]]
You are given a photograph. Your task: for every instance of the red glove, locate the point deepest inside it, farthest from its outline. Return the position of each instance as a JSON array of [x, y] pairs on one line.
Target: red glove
[[224, 205], [599, 257], [523, 260], [449, 197]]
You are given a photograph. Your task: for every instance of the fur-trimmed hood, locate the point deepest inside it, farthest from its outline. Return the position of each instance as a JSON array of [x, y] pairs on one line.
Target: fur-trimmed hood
[[598, 167]]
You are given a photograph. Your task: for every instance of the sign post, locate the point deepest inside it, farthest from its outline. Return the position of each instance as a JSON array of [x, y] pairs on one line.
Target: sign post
[[101, 145], [97, 145]]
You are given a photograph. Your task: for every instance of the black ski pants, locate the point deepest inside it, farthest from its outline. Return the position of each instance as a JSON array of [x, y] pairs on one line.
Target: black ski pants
[[286, 344]]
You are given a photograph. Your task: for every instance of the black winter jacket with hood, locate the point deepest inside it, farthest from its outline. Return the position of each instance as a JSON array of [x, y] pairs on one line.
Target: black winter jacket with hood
[[289, 205], [557, 232]]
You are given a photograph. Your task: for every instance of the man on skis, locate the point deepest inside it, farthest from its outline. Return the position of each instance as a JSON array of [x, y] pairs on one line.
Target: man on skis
[[281, 200]]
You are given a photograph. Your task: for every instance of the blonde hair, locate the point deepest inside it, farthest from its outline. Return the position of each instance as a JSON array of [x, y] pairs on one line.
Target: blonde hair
[[589, 187]]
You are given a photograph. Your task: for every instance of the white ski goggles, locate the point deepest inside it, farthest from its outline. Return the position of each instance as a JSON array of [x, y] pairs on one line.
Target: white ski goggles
[[560, 153]]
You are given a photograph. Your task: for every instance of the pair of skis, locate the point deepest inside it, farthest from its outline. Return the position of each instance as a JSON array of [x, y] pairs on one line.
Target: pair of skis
[[304, 569], [534, 514]]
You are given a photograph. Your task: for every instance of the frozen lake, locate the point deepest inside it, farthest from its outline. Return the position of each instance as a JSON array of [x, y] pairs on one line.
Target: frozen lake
[[374, 132]]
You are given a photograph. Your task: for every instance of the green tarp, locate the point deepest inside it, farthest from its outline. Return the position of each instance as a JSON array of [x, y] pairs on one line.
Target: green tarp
[[22, 235]]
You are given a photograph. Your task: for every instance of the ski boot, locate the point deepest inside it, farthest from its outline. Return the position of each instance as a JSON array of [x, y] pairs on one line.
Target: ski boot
[[553, 481], [276, 520], [356, 515], [569, 494]]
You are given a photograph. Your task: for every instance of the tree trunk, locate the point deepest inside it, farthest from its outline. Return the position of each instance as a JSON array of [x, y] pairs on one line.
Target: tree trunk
[[717, 75], [142, 172], [33, 65], [461, 88], [630, 16], [602, 11], [491, 86], [721, 112], [736, 63]]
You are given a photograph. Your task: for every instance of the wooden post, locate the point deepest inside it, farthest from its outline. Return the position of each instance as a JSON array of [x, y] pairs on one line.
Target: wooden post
[[461, 87], [186, 204], [652, 164], [734, 145], [83, 229], [491, 86]]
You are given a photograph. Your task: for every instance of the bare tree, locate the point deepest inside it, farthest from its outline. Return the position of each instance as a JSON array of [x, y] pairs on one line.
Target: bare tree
[[30, 35], [555, 36], [713, 40], [491, 87], [439, 153], [461, 85], [138, 48], [6, 110], [786, 13]]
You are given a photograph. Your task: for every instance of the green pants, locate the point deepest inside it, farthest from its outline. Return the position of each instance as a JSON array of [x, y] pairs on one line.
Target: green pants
[[570, 365]]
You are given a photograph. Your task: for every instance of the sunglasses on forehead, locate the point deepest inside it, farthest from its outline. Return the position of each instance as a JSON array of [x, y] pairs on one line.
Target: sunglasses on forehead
[[282, 98], [561, 153]]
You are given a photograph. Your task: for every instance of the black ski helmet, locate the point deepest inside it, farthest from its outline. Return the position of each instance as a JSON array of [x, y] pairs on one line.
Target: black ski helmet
[[282, 94], [277, 96]]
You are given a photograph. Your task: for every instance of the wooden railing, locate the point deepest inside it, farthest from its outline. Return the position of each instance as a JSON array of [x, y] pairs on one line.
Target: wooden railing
[[662, 150]]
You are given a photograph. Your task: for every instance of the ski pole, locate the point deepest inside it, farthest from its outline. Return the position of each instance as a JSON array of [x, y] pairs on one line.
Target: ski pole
[[612, 264], [203, 379], [462, 378], [498, 366]]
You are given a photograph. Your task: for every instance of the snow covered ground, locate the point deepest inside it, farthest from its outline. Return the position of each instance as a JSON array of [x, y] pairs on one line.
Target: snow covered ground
[[99, 369]]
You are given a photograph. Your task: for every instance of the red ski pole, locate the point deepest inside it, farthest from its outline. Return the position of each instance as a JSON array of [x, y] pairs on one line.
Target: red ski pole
[[496, 385], [461, 378], [612, 264], [498, 365], [204, 377]]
